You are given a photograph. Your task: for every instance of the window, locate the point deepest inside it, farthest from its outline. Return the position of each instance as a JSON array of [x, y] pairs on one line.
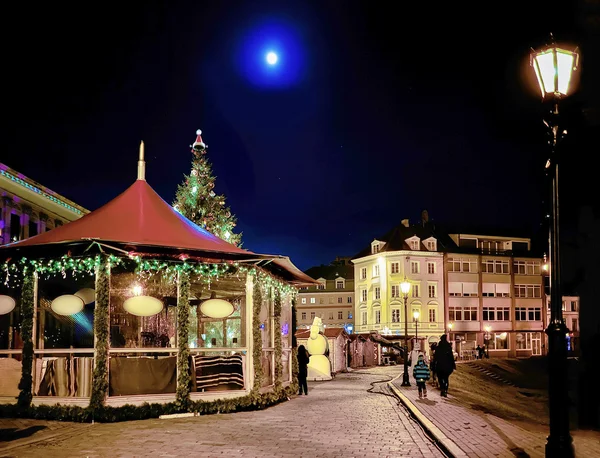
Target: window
[[574, 325], [432, 290], [376, 270], [349, 300], [498, 341], [495, 290], [304, 300], [431, 267], [414, 245], [462, 265], [331, 315], [496, 314], [431, 245], [492, 266], [377, 316], [395, 266], [462, 313], [527, 267], [432, 315], [458, 289], [33, 228], [340, 300], [312, 300], [363, 295], [349, 315], [528, 314], [321, 285], [320, 300], [363, 317], [339, 284], [415, 290], [531, 291], [395, 290], [15, 227], [375, 248], [363, 273], [312, 315], [377, 292], [415, 267], [573, 306], [304, 315], [524, 340], [395, 315], [331, 300]]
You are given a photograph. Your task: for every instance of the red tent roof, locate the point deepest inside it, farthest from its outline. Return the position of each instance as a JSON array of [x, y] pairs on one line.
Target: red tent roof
[[138, 216]]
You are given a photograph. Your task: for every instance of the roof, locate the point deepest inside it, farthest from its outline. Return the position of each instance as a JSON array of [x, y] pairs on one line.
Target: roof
[[139, 220], [329, 332], [332, 271]]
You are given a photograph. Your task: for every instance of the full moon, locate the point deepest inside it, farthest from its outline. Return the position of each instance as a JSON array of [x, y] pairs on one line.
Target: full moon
[[271, 58]]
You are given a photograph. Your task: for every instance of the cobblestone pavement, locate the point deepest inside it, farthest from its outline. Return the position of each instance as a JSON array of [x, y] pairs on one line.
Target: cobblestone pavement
[[338, 418], [466, 432]]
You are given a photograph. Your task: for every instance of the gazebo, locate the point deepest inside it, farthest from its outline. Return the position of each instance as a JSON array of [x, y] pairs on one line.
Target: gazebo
[[134, 303]]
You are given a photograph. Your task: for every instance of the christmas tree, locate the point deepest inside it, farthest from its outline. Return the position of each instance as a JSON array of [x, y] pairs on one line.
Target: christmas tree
[[197, 200]]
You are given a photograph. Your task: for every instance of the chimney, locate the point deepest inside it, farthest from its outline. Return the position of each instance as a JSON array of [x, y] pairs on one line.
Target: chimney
[[405, 222], [424, 217]]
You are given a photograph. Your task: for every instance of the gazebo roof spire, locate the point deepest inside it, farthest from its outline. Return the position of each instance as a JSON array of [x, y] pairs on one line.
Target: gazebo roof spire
[[141, 175]]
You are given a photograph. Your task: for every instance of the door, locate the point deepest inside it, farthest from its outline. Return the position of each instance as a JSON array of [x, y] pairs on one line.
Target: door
[[536, 344]]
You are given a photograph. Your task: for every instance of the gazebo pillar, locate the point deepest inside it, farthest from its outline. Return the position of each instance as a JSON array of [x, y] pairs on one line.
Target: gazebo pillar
[[101, 334], [28, 307], [183, 355]]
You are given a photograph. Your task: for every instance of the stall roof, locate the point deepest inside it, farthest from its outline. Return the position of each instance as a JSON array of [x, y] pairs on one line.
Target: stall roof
[[140, 220]]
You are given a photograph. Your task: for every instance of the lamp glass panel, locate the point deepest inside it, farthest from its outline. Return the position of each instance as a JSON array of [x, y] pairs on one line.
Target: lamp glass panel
[[565, 62], [405, 287], [545, 71]]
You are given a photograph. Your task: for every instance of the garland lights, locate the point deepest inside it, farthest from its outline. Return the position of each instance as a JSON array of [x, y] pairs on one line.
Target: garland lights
[[183, 356], [101, 331], [13, 270], [257, 300], [278, 349], [27, 307]]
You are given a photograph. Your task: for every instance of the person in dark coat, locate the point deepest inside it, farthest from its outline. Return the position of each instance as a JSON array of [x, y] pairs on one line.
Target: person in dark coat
[[432, 365], [303, 359], [445, 364]]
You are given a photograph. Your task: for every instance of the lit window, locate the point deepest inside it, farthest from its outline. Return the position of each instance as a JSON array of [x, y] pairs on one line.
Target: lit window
[[431, 267], [395, 267]]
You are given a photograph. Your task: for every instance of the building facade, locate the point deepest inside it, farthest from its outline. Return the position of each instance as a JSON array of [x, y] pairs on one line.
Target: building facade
[[332, 299], [27, 208], [411, 253], [495, 296]]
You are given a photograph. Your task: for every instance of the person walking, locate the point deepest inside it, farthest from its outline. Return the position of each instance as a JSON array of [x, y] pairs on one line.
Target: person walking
[[432, 365], [445, 364], [303, 359], [421, 375]]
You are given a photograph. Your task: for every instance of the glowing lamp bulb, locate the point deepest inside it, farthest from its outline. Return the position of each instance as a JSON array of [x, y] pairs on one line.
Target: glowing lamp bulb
[[272, 58], [195, 189], [227, 235], [137, 290]]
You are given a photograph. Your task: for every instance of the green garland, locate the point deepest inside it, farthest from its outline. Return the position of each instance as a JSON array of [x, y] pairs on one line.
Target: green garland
[[256, 334], [278, 349], [27, 306], [182, 401], [101, 331]]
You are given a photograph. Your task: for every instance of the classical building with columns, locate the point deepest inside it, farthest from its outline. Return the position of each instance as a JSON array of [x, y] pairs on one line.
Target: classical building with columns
[[28, 208]]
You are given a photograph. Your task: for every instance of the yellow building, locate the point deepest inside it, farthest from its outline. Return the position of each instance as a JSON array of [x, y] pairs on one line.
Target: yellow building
[[27, 208]]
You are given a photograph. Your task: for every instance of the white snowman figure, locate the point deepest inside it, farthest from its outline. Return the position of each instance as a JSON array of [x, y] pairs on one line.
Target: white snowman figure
[[319, 367]]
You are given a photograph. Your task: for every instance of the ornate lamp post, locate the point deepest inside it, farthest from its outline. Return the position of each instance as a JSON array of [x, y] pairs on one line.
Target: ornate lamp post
[[554, 67], [416, 315], [405, 288]]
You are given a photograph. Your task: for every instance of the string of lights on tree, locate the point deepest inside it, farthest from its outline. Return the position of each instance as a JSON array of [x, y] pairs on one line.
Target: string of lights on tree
[[197, 200], [13, 270]]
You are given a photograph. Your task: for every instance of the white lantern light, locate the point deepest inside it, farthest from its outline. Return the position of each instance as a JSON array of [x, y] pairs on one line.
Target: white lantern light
[[217, 308], [67, 304], [87, 295], [554, 68], [7, 304], [143, 305]]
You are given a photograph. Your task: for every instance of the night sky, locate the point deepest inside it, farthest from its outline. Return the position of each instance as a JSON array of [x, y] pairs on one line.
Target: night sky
[[373, 113]]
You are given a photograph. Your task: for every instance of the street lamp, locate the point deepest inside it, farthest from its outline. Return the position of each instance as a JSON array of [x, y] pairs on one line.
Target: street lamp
[[416, 320], [405, 288], [486, 338], [554, 67]]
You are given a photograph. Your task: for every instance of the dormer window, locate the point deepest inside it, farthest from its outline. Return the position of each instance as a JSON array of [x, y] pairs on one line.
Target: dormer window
[[340, 283], [376, 246], [414, 243], [322, 283], [431, 244]]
